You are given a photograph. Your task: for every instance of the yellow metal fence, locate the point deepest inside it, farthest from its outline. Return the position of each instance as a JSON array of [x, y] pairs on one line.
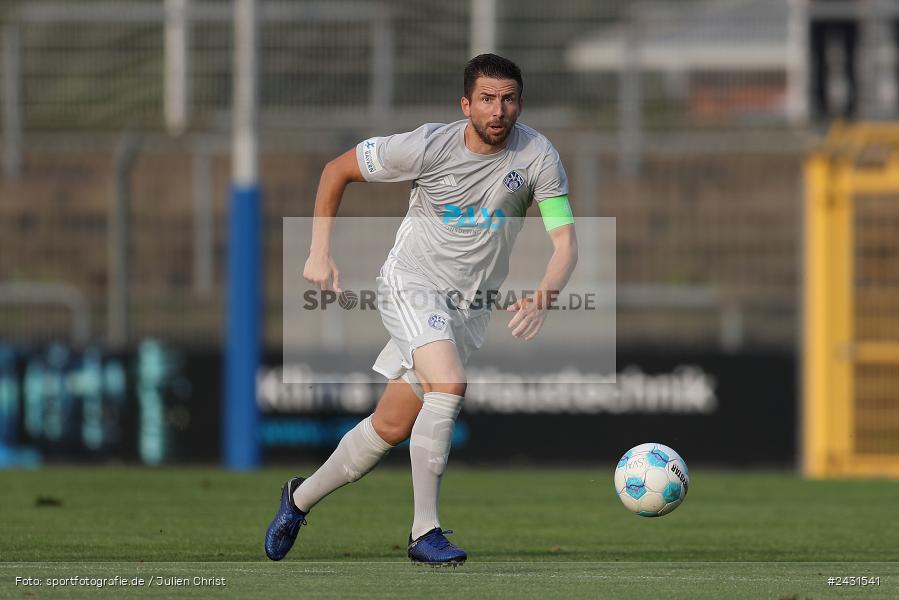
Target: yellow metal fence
[[851, 304]]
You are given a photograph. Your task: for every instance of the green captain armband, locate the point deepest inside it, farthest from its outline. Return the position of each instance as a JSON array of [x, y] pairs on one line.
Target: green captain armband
[[556, 212]]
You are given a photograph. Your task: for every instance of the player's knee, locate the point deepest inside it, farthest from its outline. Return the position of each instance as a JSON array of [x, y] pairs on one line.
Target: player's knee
[[457, 388], [392, 430]]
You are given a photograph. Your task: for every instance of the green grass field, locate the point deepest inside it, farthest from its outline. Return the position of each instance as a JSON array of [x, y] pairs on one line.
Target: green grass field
[[529, 534]]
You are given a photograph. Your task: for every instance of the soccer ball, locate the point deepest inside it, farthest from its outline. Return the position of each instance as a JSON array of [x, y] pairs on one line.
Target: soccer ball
[[651, 480]]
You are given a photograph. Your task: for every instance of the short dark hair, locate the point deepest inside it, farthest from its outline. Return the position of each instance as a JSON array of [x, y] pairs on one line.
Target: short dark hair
[[490, 65]]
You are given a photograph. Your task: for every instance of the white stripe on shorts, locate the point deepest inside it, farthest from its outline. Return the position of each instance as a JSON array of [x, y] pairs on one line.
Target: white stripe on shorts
[[407, 314], [415, 322], [396, 300], [397, 283], [386, 271]]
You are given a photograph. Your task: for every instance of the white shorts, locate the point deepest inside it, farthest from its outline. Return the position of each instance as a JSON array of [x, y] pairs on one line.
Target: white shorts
[[414, 314]]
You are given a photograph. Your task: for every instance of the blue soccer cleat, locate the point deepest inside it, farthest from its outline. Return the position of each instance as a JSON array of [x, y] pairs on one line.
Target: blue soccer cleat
[[433, 548], [283, 529]]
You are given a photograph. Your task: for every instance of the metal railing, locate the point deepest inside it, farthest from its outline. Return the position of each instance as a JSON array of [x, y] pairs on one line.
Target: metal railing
[[69, 296]]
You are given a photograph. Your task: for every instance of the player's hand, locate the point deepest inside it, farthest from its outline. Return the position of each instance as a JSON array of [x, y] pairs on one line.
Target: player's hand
[[528, 319], [321, 271]]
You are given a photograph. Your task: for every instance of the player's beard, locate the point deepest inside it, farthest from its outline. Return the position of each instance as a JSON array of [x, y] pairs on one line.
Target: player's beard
[[490, 139]]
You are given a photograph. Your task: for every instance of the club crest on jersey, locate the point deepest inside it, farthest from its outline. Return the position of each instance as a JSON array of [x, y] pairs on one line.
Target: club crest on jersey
[[437, 321], [513, 180]]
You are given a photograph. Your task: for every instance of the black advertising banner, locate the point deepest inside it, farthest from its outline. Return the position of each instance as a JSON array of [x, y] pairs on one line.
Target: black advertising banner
[[735, 409], [154, 405], [161, 405]]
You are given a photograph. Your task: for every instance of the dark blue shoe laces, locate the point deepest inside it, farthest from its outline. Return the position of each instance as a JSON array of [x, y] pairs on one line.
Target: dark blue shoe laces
[[296, 526], [438, 539]]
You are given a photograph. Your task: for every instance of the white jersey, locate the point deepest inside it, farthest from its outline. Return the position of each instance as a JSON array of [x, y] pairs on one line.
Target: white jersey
[[465, 209]]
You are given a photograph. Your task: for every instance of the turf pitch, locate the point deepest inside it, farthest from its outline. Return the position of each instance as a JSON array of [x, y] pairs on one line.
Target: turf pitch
[[536, 533]]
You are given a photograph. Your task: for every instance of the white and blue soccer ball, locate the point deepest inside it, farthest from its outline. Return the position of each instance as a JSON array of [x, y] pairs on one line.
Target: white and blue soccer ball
[[651, 480]]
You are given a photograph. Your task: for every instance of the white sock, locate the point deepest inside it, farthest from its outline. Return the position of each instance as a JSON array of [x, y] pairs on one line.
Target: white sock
[[357, 453], [429, 448]]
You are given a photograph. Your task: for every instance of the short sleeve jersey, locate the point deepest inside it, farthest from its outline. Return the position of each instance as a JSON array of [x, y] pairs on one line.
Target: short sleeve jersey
[[465, 208]]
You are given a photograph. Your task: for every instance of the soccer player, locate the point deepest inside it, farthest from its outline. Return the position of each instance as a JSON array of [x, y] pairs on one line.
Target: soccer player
[[472, 183]]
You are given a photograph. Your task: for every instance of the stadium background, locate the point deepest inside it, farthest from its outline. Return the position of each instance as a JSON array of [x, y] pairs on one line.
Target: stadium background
[[689, 122]]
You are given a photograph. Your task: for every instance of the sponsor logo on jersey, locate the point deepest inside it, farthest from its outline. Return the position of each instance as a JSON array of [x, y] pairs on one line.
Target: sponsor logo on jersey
[[513, 180], [370, 155], [468, 217], [437, 321]]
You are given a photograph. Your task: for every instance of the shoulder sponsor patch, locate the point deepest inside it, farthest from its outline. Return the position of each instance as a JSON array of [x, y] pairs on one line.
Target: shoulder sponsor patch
[[513, 180], [370, 156]]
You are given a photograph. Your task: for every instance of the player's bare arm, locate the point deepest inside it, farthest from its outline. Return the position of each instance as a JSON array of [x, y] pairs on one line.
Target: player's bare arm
[[531, 312], [320, 268]]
